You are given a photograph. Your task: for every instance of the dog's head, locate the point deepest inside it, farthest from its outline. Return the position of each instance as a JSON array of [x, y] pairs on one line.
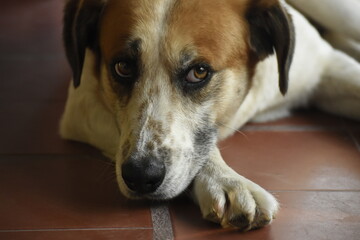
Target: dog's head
[[171, 71]]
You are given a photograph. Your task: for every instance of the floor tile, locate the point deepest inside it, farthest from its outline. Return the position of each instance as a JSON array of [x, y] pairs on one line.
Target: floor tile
[[49, 192], [303, 215], [303, 117], [32, 128], [295, 160], [137, 234]]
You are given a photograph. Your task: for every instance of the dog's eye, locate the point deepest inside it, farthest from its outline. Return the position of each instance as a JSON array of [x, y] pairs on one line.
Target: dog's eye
[[124, 69], [197, 74]]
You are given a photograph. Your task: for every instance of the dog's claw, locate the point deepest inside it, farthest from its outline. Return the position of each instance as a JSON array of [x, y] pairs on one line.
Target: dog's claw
[[261, 219], [241, 204], [213, 217], [240, 222]]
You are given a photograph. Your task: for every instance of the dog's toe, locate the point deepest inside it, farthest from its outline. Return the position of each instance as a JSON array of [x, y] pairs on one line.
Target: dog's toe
[[237, 204], [261, 219], [241, 222]]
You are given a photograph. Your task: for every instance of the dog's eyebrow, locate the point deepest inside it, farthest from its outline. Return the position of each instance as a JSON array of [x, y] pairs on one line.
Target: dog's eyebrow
[[185, 58], [188, 57], [134, 47]]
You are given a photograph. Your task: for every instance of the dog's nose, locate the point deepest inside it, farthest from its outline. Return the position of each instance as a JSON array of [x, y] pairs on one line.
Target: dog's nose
[[143, 175]]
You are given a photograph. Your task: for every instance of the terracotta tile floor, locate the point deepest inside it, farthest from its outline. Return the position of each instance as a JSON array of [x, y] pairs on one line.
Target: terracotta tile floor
[[53, 189]]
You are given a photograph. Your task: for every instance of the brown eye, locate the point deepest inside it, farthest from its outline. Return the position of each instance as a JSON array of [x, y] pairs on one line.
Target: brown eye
[[197, 74], [124, 69]]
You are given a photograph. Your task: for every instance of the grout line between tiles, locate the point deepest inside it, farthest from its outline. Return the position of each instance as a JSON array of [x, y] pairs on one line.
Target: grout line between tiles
[[74, 229], [294, 128], [162, 224], [316, 190]]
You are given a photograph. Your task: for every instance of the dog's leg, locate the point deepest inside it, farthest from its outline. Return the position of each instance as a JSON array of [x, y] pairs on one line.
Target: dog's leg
[[339, 89], [227, 198]]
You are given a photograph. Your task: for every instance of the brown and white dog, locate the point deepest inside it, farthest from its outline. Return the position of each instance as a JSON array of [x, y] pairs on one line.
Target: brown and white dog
[[157, 83]]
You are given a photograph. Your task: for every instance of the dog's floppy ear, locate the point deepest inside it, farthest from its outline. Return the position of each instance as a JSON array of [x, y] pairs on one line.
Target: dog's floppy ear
[[271, 28], [81, 18]]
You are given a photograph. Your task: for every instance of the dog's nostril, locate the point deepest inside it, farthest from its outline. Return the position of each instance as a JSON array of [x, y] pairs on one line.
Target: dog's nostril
[[131, 185], [143, 175]]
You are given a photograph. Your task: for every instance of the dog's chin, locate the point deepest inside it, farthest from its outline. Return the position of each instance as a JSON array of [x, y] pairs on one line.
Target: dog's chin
[[161, 194]]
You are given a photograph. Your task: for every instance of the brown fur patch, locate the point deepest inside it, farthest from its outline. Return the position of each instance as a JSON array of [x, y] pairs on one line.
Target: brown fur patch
[[157, 139], [150, 146], [217, 38], [116, 26], [141, 110], [169, 118], [220, 40], [156, 126]]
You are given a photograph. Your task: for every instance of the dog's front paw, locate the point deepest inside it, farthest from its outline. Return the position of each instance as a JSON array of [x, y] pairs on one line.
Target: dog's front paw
[[234, 201]]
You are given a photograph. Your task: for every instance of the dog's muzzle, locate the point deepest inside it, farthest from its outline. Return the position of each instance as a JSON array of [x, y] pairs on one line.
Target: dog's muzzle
[[143, 175]]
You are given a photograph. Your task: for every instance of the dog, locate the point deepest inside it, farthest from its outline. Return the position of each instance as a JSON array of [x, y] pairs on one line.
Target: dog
[[156, 84]]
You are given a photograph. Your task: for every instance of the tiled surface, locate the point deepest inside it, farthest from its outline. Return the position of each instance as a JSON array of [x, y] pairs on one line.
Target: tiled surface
[[54, 189], [79, 234], [65, 192], [300, 160], [304, 215]]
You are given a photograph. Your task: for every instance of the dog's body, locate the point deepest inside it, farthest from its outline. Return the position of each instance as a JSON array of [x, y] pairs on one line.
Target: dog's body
[[189, 80], [340, 22]]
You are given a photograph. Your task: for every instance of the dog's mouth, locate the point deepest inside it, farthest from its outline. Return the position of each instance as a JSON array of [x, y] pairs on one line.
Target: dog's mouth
[[169, 188], [160, 194], [155, 181]]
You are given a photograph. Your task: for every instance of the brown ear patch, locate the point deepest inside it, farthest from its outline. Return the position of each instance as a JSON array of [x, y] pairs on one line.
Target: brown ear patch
[[271, 29]]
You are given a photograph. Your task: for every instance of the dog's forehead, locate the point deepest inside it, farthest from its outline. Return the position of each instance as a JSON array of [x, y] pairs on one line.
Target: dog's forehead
[[215, 29], [210, 29], [127, 20]]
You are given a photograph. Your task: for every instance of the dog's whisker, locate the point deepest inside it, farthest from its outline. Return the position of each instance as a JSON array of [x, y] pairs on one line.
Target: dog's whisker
[[108, 163], [107, 173], [223, 148], [233, 129], [242, 133]]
